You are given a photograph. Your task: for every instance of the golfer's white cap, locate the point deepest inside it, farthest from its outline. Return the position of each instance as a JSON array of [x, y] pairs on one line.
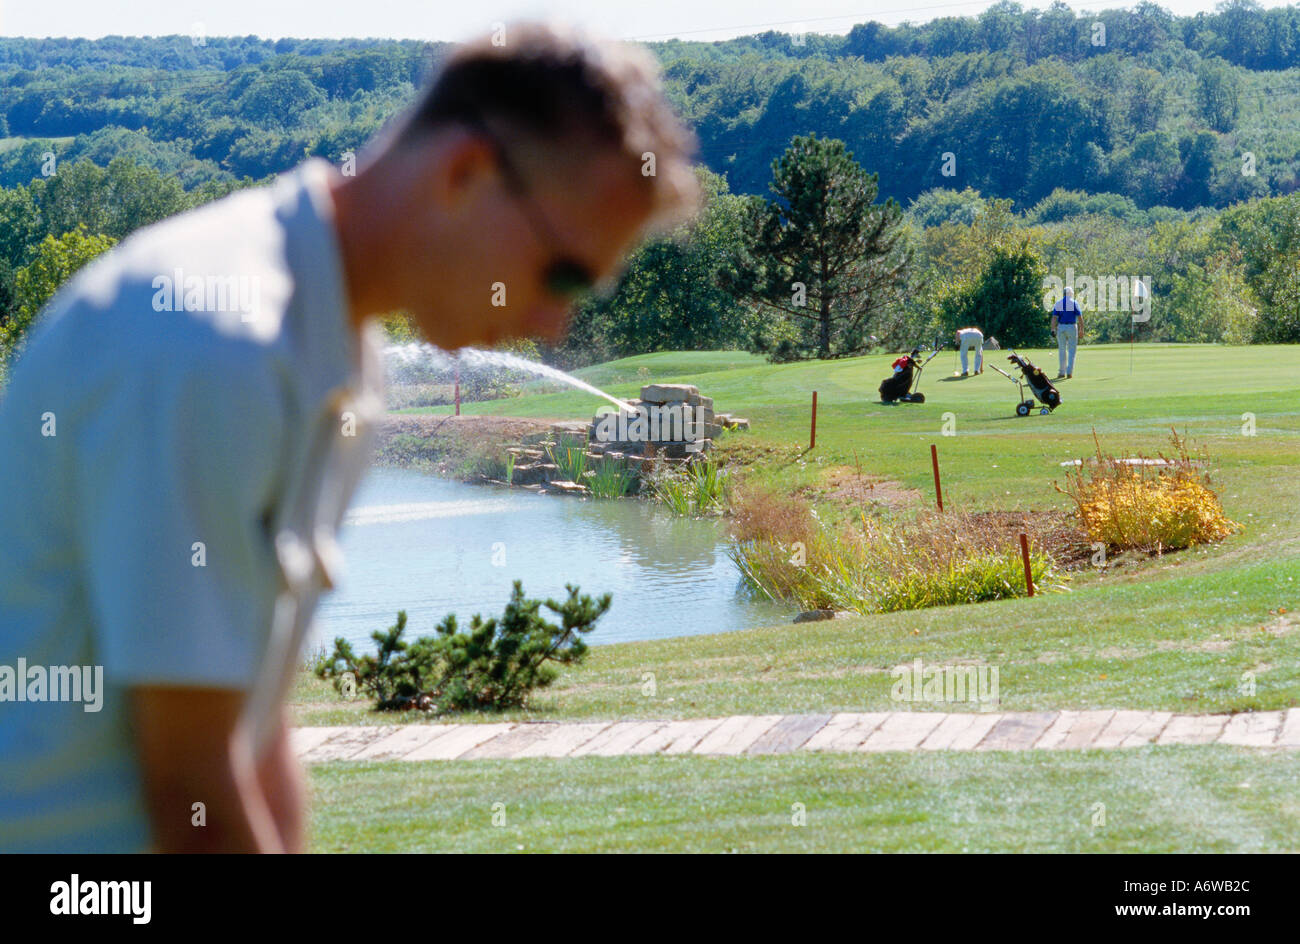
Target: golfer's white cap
[[1069, 291]]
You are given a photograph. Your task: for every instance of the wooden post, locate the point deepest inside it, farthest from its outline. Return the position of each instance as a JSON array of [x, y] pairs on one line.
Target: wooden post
[[458, 391], [934, 460], [812, 436], [1024, 553]]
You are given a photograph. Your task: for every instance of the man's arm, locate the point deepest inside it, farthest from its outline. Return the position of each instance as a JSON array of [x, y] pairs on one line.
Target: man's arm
[[280, 776], [192, 750], [177, 466]]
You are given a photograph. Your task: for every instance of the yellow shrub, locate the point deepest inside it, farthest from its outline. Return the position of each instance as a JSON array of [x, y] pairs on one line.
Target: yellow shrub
[[1148, 507]]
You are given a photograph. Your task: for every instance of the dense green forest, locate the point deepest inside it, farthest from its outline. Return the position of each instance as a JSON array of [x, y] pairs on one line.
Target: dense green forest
[[1141, 103], [1118, 144]]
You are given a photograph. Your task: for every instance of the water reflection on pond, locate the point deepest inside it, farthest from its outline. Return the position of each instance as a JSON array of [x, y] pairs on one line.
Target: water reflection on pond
[[432, 547]]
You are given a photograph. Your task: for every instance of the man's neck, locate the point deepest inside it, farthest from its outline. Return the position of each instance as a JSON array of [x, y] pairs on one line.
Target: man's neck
[[351, 250]]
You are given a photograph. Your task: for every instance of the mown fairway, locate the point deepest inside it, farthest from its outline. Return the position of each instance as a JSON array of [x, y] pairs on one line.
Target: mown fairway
[[1166, 799], [997, 460], [1178, 633]]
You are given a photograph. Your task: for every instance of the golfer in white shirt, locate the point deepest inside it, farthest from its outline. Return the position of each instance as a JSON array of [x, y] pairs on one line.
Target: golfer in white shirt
[[971, 339]]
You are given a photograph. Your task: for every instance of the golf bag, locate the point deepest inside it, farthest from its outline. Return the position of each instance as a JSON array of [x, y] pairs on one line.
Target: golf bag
[[898, 386], [1047, 394]]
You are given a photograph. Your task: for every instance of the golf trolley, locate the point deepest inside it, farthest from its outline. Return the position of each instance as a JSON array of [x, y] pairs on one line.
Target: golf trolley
[[901, 386], [1036, 381]]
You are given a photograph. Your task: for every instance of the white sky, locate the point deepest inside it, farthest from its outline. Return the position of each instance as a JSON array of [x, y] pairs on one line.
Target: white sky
[[444, 20]]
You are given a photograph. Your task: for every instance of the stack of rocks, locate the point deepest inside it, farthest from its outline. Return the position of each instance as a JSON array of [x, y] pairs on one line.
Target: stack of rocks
[[532, 459], [728, 421], [671, 421]]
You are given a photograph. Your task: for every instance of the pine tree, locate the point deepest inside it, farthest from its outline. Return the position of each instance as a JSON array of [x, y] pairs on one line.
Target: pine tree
[[822, 253]]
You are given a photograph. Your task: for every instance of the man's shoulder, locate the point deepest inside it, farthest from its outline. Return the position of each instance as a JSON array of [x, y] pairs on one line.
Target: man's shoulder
[[216, 297], [211, 278], [219, 259]]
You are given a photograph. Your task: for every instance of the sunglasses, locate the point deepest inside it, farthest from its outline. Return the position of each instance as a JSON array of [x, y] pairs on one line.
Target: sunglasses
[[563, 277]]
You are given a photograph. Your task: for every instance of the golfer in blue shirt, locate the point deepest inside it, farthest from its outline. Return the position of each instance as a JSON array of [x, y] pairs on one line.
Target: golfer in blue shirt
[[1066, 325]]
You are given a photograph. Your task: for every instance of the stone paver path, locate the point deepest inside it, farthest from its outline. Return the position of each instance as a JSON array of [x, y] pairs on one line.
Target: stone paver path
[[781, 734]]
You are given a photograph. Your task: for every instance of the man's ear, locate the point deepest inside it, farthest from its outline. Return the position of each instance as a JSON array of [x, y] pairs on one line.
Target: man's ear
[[459, 170]]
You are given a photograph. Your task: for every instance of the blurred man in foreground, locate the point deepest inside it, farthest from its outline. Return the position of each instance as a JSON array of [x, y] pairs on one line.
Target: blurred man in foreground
[[192, 415]]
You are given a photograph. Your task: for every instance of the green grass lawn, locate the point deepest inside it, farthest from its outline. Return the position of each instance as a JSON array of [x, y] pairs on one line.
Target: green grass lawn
[[995, 459], [1165, 799], [1177, 633], [994, 455], [1166, 642], [1174, 634]]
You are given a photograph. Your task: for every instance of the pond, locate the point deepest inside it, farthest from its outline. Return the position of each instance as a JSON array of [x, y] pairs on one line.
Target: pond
[[430, 546]]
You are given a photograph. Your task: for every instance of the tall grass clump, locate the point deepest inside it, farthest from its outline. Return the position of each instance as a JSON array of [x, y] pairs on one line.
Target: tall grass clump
[[708, 484], [1144, 506], [961, 579], [674, 493], [316, 657], [570, 461], [692, 489], [874, 566], [771, 533], [610, 479]]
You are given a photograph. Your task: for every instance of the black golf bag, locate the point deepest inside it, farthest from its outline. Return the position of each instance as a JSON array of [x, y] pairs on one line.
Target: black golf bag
[[899, 387], [899, 384], [1037, 381]]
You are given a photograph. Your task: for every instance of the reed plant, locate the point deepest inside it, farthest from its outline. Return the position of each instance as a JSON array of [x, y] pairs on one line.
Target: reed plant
[[708, 485], [570, 461], [691, 490], [611, 479], [877, 565]]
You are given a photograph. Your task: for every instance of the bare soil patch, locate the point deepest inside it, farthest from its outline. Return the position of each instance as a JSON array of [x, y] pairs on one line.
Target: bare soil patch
[[505, 428], [1053, 531], [848, 486], [448, 444]]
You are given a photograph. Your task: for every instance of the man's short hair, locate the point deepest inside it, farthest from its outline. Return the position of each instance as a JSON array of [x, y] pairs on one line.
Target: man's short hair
[[553, 85]]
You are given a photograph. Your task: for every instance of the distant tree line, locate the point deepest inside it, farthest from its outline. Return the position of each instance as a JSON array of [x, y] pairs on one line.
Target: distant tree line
[[1168, 111], [788, 276], [978, 156]]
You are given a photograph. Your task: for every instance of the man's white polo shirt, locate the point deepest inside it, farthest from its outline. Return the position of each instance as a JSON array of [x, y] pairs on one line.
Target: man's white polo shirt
[[178, 445]]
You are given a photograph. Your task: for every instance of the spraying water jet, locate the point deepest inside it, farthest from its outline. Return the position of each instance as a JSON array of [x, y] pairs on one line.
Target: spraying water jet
[[430, 357]]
